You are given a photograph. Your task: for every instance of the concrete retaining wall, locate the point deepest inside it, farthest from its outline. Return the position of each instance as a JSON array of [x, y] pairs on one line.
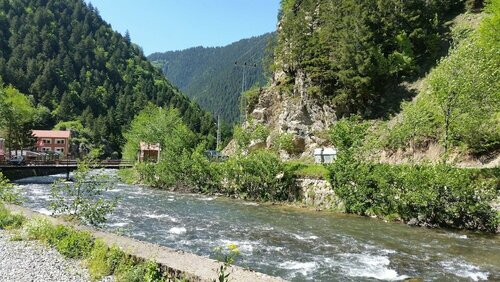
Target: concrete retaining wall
[[179, 263]]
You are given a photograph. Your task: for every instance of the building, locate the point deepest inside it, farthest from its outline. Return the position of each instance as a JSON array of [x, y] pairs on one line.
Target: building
[[53, 141], [149, 152], [325, 155], [2, 149]]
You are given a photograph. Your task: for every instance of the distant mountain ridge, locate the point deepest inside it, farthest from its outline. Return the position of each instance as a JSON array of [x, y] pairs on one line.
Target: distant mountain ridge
[[209, 75]]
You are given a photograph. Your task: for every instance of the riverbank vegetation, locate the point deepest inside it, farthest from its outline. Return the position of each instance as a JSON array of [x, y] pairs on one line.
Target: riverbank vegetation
[[421, 194], [100, 259], [259, 175]]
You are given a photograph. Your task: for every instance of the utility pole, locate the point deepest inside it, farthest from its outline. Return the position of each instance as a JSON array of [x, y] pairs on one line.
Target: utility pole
[[244, 66], [218, 134]]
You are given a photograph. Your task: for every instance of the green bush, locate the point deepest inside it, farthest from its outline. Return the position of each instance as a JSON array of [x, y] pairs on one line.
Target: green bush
[[260, 175], [9, 220], [103, 261], [437, 195], [7, 192], [76, 244]]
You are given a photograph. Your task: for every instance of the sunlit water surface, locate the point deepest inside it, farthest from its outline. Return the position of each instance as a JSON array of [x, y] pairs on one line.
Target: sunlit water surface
[[295, 244]]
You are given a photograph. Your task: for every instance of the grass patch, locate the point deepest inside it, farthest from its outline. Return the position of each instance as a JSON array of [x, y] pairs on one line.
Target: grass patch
[[9, 220], [309, 170]]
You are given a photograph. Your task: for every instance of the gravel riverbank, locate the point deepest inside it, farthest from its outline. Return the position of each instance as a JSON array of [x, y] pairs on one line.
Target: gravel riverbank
[[31, 261]]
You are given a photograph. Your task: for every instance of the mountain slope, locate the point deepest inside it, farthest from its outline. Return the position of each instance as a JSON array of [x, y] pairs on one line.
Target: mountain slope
[[209, 75], [351, 57], [68, 59]]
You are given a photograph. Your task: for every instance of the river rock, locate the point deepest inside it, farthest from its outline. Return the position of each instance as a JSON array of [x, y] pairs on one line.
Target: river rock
[[413, 222]]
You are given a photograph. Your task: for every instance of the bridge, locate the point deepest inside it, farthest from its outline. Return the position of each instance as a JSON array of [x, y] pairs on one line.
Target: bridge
[[44, 168]]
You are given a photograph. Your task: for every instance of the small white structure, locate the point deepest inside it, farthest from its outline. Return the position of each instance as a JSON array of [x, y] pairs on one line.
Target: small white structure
[[318, 158], [324, 155], [329, 154]]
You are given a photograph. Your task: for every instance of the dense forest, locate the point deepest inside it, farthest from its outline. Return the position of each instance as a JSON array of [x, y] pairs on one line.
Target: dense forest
[[76, 69], [355, 53], [210, 77]]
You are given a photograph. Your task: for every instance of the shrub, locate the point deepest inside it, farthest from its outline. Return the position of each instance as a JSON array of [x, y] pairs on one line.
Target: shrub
[[83, 199], [96, 263], [7, 192], [433, 195], [260, 175], [75, 244], [103, 260], [9, 220], [38, 229]]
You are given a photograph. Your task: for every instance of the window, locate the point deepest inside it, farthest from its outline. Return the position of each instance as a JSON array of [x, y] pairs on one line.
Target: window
[[46, 149], [59, 150], [47, 141], [59, 141]]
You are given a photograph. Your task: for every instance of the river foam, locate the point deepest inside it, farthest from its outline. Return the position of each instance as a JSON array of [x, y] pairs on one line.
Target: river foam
[[370, 266], [462, 269], [303, 268], [177, 230]]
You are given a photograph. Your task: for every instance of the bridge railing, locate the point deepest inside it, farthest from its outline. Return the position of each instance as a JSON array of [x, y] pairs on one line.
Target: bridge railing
[[69, 162]]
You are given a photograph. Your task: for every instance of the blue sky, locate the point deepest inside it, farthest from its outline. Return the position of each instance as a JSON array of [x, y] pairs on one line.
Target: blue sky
[[165, 25]]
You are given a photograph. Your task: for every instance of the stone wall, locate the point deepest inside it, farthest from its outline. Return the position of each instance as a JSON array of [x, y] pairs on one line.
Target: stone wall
[[318, 193]]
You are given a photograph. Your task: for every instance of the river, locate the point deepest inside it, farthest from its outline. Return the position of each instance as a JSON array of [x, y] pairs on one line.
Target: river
[[292, 243]]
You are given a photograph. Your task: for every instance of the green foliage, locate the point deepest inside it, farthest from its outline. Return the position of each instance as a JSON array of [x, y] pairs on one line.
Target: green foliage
[[83, 199], [7, 192], [352, 51], [228, 257], [285, 142], [17, 115], [348, 134], [75, 244], [87, 72], [81, 138], [251, 97], [157, 125], [9, 220], [260, 175], [128, 175], [104, 261], [308, 170], [209, 76], [436, 195], [253, 131], [461, 106]]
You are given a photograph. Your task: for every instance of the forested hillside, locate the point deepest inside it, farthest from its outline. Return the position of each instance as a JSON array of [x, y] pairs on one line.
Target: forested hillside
[[76, 68], [209, 75], [354, 53], [459, 105]]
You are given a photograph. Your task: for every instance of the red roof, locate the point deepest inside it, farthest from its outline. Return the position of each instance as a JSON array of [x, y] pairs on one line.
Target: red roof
[[52, 133]]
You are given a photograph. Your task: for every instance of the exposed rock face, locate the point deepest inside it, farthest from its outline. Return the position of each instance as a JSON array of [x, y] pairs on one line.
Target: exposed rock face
[[319, 193], [294, 113]]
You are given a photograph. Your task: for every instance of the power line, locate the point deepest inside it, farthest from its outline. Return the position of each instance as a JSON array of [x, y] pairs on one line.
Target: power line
[[244, 66]]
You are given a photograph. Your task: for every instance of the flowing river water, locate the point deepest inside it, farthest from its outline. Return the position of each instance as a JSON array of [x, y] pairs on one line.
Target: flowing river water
[[292, 243]]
